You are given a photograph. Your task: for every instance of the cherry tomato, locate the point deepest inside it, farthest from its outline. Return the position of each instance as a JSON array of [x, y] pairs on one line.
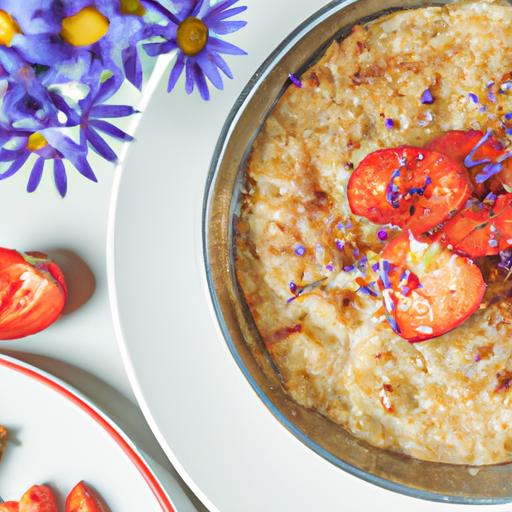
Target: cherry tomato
[[427, 289], [83, 499], [410, 187], [39, 498], [9, 506], [32, 293], [480, 229]]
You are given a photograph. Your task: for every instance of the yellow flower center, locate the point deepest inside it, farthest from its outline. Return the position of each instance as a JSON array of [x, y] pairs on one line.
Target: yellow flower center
[[133, 7], [85, 27], [36, 141], [8, 28], [192, 36]]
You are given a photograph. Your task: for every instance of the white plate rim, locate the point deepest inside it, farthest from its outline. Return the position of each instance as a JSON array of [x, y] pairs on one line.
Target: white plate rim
[[257, 77], [111, 428]]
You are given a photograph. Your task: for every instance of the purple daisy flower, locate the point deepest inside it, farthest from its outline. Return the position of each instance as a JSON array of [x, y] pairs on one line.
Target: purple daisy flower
[[67, 37], [26, 104], [192, 32], [49, 144], [92, 119]]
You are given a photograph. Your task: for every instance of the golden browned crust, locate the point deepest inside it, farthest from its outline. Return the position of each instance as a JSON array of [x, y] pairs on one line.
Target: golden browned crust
[[447, 399]]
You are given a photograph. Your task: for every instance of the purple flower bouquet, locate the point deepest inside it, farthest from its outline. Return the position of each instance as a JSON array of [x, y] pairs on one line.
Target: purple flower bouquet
[[62, 60]]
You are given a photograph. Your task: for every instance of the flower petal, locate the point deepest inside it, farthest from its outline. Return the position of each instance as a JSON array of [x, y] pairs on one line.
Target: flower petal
[[7, 155], [189, 77], [226, 27], [73, 152], [111, 111], [15, 166], [221, 6], [176, 72], [100, 146], [197, 8], [132, 66], [107, 89], [35, 175], [224, 47], [154, 49], [110, 129], [59, 176], [201, 82], [82, 166], [61, 104], [221, 64], [215, 16], [209, 68]]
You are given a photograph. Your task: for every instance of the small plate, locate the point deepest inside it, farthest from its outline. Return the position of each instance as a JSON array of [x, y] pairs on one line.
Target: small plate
[[57, 437]]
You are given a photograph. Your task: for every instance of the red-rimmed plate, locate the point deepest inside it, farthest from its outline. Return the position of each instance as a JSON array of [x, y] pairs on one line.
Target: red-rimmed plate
[[58, 437]]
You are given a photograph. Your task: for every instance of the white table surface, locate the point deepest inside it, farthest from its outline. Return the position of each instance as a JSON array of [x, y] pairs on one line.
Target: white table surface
[[81, 347]]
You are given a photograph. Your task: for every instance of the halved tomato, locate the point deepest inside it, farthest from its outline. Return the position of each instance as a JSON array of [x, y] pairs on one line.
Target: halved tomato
[[480, 229], [9, 506], [410, 187], [39, 498], [32, 293], [427, 290], [83, 499], [458, 144]]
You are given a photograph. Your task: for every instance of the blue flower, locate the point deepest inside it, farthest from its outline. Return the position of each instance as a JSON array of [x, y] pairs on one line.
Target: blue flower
[[59, 37], [192, 32], [26, 104], [91, 120], [48, 144]]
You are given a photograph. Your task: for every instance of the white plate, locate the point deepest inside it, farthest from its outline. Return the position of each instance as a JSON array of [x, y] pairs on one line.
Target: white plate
[[227, 446], [58, 437]]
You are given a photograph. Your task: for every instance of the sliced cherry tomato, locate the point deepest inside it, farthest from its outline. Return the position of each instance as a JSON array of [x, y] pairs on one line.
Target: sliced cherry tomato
[[458, 144], [9, 506], [410, 187], [83, 499], [427, 289], [480, 229], [39, 498], [32, 293]]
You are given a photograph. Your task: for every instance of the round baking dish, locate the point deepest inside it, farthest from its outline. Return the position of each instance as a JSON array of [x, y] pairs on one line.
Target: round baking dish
[[420, 479]]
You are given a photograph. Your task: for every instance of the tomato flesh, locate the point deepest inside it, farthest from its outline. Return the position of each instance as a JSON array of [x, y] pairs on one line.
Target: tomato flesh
[[480, 229], [458, 144], [83, 499], [9, 506], [413, 188], [446, 289], [39, 498], [32, 293]]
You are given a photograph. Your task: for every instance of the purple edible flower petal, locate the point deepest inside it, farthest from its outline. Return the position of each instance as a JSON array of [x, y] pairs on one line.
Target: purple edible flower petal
[[365, 290], [389, 123], [473, 97], [295, 80], [384, 274], [426, 97], [382, 234], [468, 161], [340, 245], [299, 250]]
